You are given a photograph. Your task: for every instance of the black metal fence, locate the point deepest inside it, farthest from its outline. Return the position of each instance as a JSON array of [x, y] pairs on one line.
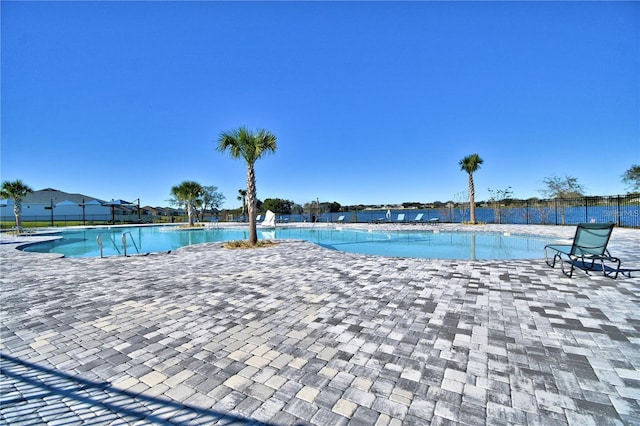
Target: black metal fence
[[623, 210], [95, 219]]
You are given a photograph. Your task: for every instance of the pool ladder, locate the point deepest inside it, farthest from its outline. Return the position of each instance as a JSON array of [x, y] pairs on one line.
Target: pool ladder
[[115, 246]]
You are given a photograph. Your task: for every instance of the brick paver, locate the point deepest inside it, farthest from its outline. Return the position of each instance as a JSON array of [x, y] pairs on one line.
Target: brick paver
[[297, 334]]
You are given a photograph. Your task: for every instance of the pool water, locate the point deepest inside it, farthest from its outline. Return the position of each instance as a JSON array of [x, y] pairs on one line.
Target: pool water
[[415, 244]]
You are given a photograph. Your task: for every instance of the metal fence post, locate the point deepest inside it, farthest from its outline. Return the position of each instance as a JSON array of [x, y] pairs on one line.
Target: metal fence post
[[586, 209], [619, 215]]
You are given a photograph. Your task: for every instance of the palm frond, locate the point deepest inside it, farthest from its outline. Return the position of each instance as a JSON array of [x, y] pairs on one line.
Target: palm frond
[[470, 163]]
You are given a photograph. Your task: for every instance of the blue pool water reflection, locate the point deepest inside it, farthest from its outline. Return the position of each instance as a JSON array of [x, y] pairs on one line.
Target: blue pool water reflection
[[416, 244]]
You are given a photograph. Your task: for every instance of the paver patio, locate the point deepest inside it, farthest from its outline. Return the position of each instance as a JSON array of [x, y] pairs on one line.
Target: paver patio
[[298, 334]]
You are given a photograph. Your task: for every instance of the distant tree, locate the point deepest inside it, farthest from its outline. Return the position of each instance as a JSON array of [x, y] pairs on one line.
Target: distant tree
[[278, 205], [250, 146], [498, 198], [314, 208], [334, 207], [211, 199], [563, 188], [288, 206], [460, 200], [540, 208], [297, 209], [271, 204], [187, 194], [471, 164], [16, 191], [631, 178], [243, 198]]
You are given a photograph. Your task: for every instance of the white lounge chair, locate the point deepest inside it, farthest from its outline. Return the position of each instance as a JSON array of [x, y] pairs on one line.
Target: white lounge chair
[[418, 218]]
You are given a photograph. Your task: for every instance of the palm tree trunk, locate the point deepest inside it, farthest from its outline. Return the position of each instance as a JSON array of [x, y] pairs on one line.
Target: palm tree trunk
[[251, 196], [472, 200], [190, 213], [17, 211]]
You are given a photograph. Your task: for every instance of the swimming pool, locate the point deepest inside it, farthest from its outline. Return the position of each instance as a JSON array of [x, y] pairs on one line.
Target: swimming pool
[[416, 244]]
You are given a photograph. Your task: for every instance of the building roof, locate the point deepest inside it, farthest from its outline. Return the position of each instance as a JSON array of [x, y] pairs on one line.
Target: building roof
[[44, 196]]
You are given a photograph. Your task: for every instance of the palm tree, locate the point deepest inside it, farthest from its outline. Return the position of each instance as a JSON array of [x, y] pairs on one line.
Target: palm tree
[[15, 191], [250, 146], [242, 197], [187, 193], [470, 164]]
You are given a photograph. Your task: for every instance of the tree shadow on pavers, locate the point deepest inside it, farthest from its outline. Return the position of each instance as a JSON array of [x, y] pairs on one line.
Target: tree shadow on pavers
[[33, 394]]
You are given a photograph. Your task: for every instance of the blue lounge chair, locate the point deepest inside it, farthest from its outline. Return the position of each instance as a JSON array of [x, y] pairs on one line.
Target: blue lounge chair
[[434, 220], [589, 244], [340, 219], [400, 217], [386, 218]]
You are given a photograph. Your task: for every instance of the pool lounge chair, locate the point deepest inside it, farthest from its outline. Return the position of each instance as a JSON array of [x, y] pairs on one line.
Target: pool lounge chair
[[385, 219], [400, 217], [418, 218], [340, 219], [434, 220], [381, 220], [589, 245]]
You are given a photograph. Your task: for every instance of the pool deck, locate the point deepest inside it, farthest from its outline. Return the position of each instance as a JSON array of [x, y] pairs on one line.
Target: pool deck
[[298, 334]]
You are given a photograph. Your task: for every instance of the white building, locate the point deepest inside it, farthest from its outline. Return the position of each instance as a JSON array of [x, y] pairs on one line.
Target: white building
[[54, 205]]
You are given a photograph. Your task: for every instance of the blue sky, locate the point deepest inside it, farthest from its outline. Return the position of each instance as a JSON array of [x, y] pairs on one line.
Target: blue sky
[[372, 102]]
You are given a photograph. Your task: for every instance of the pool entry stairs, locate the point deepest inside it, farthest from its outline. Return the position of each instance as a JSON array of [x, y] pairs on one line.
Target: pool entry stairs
[[100, 241]]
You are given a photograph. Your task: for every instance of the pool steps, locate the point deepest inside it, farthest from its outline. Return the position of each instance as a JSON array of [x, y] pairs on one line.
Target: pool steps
[[99, 241]]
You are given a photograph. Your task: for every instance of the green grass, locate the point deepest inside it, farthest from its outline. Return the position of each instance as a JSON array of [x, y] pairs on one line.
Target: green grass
[[56, 223], [244, 244]]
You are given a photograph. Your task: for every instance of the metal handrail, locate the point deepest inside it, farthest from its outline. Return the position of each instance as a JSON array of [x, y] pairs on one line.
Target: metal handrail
[[99, 241], [124, 242]]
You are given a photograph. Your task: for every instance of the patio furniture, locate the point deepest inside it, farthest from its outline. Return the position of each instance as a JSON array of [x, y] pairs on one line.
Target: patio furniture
[[386, 218], [589, 245], [418, 218]]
